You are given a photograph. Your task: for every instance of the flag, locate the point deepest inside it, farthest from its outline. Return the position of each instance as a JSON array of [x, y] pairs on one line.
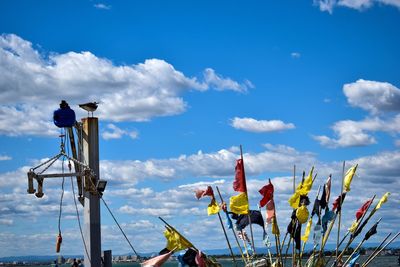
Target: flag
[[175, 241], [239, 184], [239, 204], [270, 210], [316, 208], [189, 257], [349, 177], [328, 216], [255, 218], [371, 231], [267, 192], [302, 190], [382, 200], [360, 212], [337, 204], [275, 227], [158, 260], [201, 193], [307, 231], [200, 260], [213, 207], [326, 192], [353, 226], [317, 233], [302, 214], [354, 259]]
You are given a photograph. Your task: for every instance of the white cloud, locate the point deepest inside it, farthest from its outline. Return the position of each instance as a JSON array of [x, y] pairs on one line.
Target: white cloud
[[114, 132], [6, 222], [32, 84], [5, 157], [295, 55], [102, 6], [139, 207], [260, 126], [329, 5], [357, 133], [373, 96]]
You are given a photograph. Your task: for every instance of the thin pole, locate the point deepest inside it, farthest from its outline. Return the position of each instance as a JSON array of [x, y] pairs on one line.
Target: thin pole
[[359, 224], [248, 211], [340, 213], [233, 231], [388, 243], [226, 237], [294, 190], [379, 247]]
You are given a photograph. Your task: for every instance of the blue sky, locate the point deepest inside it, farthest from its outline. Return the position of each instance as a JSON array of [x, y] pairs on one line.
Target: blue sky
[[181, 86]]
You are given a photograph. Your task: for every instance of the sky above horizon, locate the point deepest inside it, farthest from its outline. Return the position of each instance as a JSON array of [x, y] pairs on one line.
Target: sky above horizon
[[181, 86]]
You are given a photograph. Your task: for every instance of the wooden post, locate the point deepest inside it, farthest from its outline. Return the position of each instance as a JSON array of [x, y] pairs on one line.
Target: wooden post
[[340, 215], [227, 240], [92, 231]]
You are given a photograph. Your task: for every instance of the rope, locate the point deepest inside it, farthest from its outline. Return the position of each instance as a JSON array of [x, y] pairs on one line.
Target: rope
[[112, 215], [79, 220], [76, 206], [61, 199]]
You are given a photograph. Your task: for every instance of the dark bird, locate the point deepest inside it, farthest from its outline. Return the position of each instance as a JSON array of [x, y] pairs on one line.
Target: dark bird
[[89, 107]]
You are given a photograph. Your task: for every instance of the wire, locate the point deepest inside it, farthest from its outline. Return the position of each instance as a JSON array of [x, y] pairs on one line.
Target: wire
[[61, 199], [112, 215], [79, 221], [77, 213]]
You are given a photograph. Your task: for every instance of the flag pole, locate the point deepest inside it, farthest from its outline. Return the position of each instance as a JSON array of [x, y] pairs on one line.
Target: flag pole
[[388, 243], [379, 247], [226, 237], [248, 211], [340, 214], [359, 225], [294, 228], [348, 232], [360, 244], [233, 231]]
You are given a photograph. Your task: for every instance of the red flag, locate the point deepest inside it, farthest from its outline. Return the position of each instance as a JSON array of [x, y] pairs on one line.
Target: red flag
[[360, 212], [267, 192], [337, 204], [201, 193], [239, 185], [200, 260]]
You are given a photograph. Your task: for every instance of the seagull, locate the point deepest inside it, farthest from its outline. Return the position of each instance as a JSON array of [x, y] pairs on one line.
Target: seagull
[[89, 107]]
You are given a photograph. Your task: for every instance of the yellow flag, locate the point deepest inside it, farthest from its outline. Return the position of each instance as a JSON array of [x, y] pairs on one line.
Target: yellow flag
[[213, 207], [349, 177], [307, 231], [175, 241], [239, 204], [353, 226], [382, 200], [302, 189], [275, 227], [302, 214]]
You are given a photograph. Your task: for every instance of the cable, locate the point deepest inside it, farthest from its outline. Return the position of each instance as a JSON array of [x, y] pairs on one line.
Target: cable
[[61, 200], [137, 255], [79, 221], [77, 212]]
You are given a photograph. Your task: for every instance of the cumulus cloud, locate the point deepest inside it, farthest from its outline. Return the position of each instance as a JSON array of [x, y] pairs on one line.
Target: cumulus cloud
[[137, 207], [5, 157], [295, 55], [329, 5], [358, 133], [260, 126], [113, 132], [373, 96], [102, 6], [31, 83]]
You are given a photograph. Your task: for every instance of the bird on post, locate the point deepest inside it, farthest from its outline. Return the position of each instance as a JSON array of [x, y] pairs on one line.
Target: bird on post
[[89, 107]]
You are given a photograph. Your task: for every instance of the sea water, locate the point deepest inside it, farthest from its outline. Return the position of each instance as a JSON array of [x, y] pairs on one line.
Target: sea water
[[382, 261]]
